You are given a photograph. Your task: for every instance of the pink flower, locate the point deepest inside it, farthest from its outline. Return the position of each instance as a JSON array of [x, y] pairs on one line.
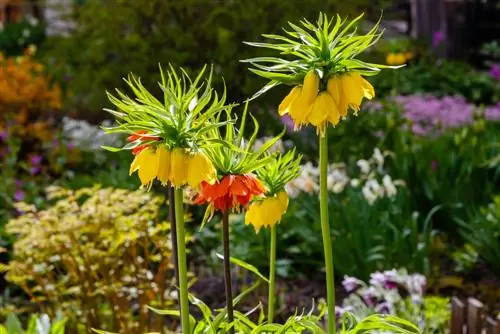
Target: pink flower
[[19, 195], [495, 71], [437, 38], [434, 165]]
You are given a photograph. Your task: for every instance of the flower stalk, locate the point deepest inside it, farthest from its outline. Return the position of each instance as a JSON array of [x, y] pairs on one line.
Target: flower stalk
[[181, 259], [325, 231], [272, 276], [227, 270], [173, 231]]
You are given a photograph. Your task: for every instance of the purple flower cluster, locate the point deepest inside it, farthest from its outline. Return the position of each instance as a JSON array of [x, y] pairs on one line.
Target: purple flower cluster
[[385, 293], [36, 164], [430, 114], [19, 194], [495, 71]]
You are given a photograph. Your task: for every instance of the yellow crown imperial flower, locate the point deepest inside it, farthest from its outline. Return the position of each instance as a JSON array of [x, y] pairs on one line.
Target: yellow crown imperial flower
[[176, 166], [323, 110], [267, 212], [200, 168], [348, 90]]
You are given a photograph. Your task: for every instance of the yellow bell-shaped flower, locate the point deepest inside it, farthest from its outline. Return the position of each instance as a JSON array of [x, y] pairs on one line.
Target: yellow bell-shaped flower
[[178, 167], [311, 87], [334, 88], [267, 212], [163, 164], [200, 168], [324, 109], [294, 93], [146, 163]]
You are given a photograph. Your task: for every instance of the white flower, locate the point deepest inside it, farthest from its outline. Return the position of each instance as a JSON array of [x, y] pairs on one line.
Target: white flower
[[375, 187], [355, 183], [364, 165], [43, 324], [378, 157], [369, 195], [26, 33], [390, 188]]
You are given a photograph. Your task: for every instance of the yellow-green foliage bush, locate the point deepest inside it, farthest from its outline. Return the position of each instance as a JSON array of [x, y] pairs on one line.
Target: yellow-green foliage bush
[[98, 255]]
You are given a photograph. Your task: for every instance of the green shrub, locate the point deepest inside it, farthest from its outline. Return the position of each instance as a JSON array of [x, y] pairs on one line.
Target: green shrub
[[113, 38], [99, 256], [16, 37], [440, 79], [482, 231]]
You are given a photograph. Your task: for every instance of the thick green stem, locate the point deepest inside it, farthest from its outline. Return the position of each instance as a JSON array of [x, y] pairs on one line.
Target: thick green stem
[[272, 276], [173, 230], [227, 269], [325, 230], [181, 260]]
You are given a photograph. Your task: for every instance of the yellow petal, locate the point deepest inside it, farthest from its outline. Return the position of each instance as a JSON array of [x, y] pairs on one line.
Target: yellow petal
[[311, 87], [200, 168], [294, 93], [390, 59], [178, 167], [352, 90], [163, 164], [368, 90], [299, 110], [148, 168], [334, 88], [318, 114]]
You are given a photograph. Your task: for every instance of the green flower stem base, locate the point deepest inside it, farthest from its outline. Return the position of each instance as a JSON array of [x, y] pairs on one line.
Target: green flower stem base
[[272, 276], [181, 260], [325, 230], [227, 269]]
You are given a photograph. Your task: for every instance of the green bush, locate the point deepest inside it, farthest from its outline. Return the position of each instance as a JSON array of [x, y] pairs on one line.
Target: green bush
[[482, 231], [99, 256], [440, 79], [113, 38], [16, 37]]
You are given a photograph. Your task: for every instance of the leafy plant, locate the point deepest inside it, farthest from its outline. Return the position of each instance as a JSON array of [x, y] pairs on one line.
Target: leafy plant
[[482, 231], [92, 255], [37, 324], [16, 37]]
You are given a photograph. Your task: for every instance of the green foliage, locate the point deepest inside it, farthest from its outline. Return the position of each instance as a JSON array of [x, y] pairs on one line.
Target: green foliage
[[16, 37], [36, 325], [441, 79], [92, 255], [465, 258], [482, 231], [115, 37], [437, 314]]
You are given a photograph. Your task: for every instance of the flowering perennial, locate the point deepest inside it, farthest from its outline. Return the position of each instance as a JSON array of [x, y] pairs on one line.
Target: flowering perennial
[[327, 78], [231, 192]]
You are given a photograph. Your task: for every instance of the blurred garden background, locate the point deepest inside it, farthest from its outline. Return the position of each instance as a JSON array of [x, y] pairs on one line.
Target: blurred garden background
[[414, 179]]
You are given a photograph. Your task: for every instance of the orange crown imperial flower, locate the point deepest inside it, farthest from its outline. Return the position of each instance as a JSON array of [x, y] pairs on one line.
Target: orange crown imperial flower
[[232, 192], [141, 135]]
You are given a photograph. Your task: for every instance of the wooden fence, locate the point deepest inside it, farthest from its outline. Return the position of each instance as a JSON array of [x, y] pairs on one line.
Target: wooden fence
[[469, 318]]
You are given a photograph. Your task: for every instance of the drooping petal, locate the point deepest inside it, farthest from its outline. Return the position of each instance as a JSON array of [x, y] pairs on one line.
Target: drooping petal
[[299, 110], [200, 169], [239, 186], [352, 90], [148, 170], [178, 167], [368, 90], [334, 88], [267, 212], [318, 114], [163, 164], [311, 87], [294, 93]]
